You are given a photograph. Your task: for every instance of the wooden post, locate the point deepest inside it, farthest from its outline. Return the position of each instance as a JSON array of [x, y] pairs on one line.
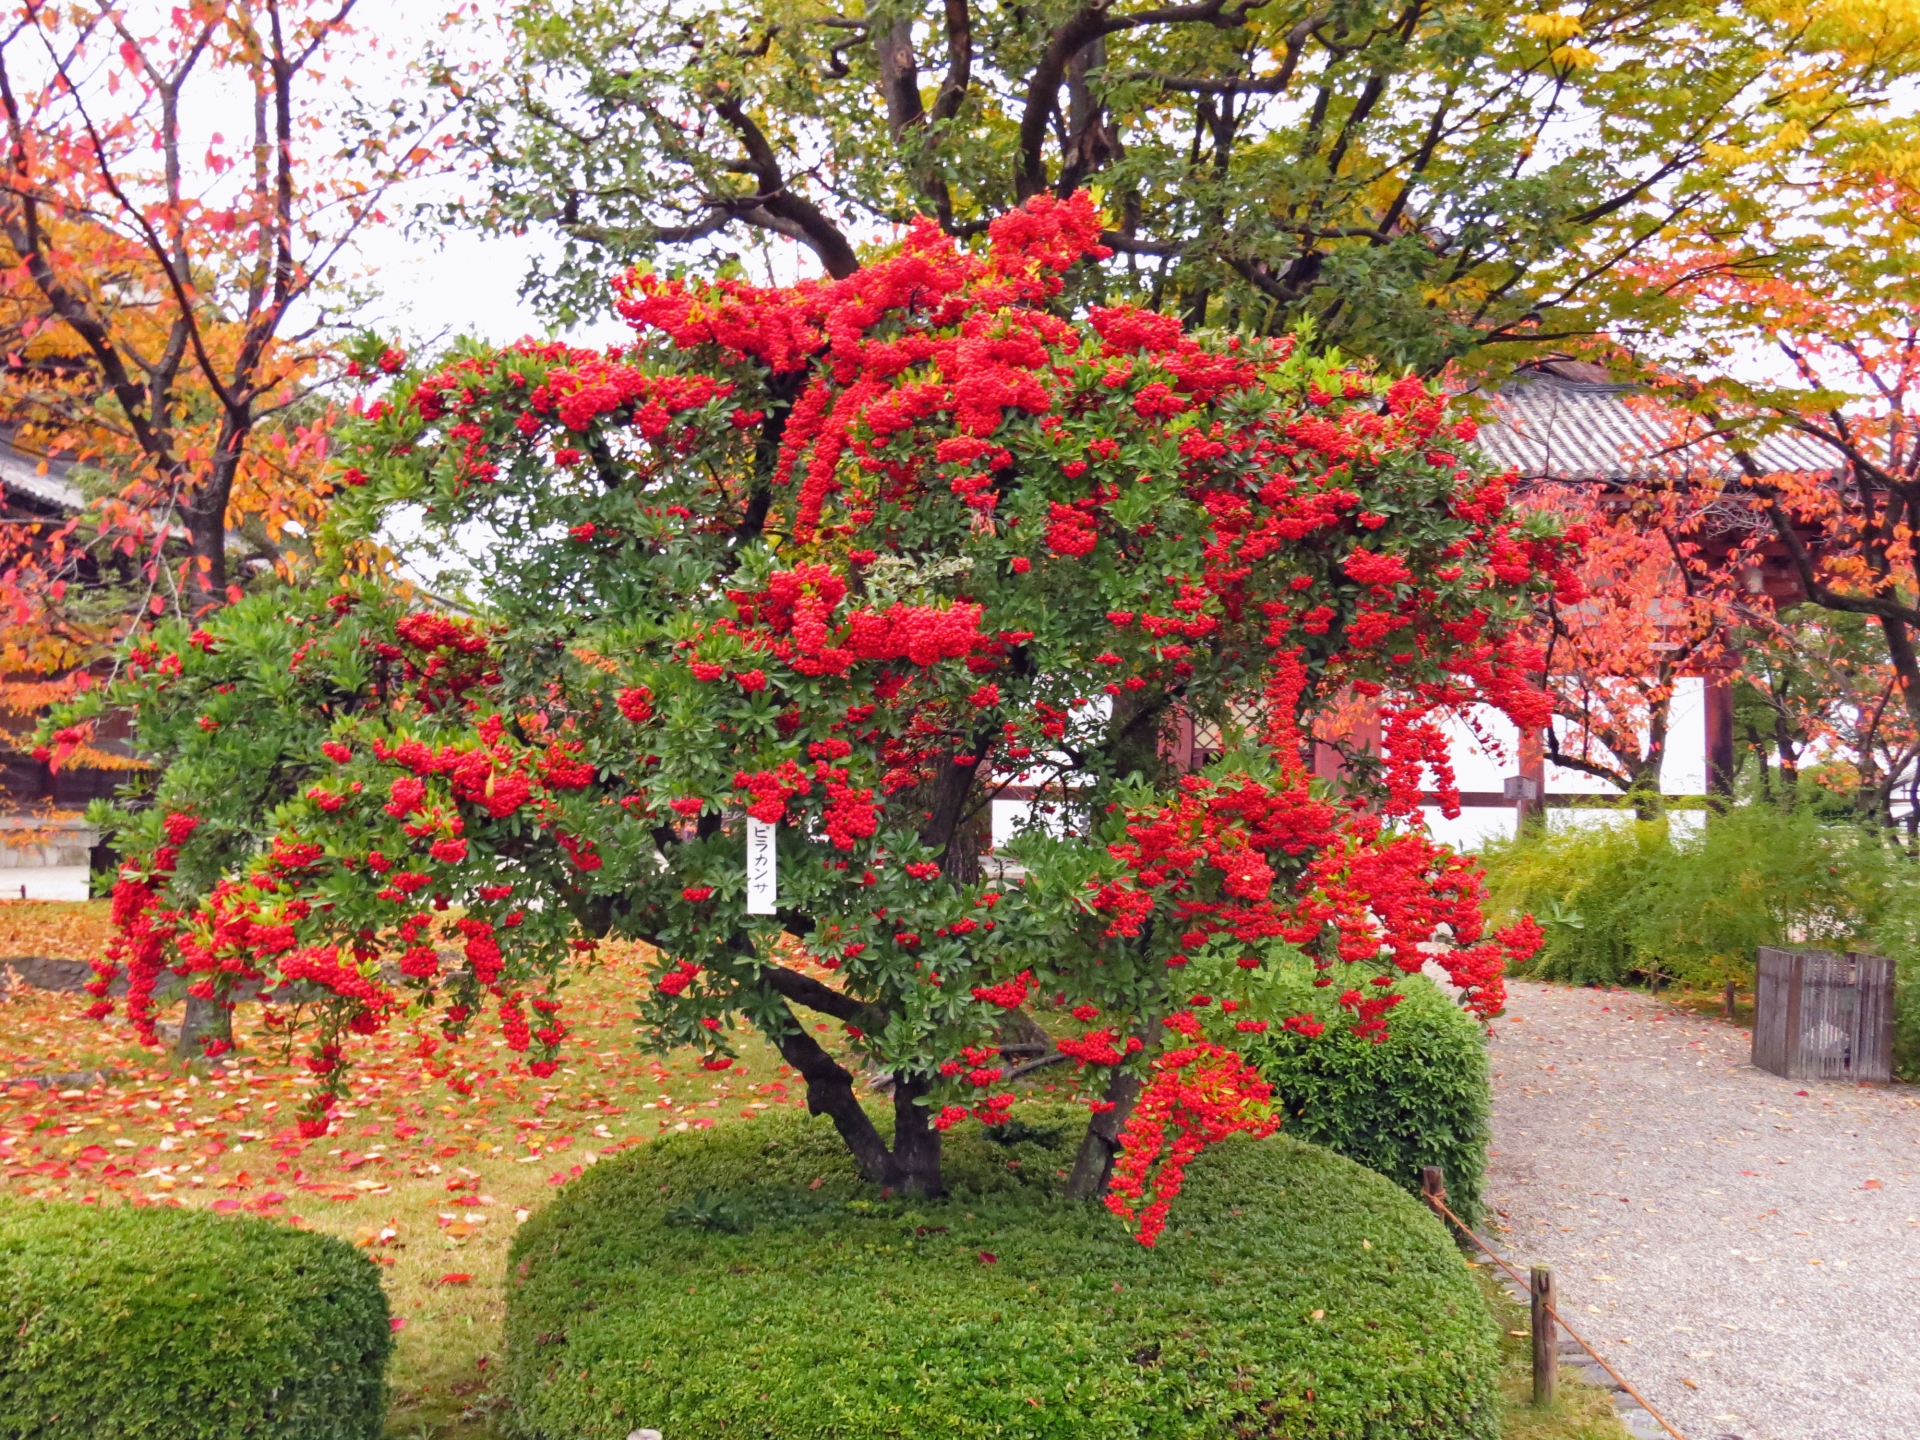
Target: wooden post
[[1433, 1189], [1546, 1336], [1719, 722], [1177, 748], [1729, 999], [1796, 988], [1532, 813]]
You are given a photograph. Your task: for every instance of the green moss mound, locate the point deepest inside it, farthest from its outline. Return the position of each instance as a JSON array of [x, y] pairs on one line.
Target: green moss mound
[[1420, 1097], [183, 1325], [743, 1282]]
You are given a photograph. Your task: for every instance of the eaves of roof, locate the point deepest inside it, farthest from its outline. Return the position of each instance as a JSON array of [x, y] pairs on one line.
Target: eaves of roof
[[1549, 428], [38, 479]]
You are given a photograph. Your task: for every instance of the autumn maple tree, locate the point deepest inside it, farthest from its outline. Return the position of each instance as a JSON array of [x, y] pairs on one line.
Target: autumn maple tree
[[1656, 605], [848, 559], [1825, 355], [164, 297]]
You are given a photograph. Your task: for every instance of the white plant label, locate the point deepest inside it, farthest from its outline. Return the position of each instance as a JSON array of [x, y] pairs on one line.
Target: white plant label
[[763, 867]]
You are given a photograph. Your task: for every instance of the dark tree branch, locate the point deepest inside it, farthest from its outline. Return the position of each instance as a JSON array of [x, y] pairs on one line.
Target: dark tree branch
[[819, 233], [1090, 23], [830, 1092], [805, 990]]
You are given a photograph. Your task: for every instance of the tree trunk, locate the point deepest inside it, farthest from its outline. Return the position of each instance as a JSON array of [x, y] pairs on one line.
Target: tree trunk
[[1721, 769], [830, 1092], [1021, 1037], [1100, 1146], [204, 509], [201, 1020], [1789, 762], [914, 1167]]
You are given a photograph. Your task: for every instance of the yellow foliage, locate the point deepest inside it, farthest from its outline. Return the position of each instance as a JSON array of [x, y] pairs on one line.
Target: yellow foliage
[[1575, 57], [1553, 27], [1862, 28], [86, 757]]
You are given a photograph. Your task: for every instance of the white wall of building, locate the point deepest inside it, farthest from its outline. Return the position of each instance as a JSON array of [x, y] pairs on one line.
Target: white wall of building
[[1485, 751]]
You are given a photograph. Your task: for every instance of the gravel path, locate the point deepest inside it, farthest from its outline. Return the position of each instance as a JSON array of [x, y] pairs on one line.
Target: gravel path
[[1744, 1249]]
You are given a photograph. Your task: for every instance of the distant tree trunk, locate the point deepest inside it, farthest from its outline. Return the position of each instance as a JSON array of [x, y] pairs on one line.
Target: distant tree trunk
[[202, 1020], [1721, 770]]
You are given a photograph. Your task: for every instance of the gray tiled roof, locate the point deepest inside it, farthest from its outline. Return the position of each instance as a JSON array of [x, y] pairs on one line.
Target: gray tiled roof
[[1547, 427], [20, 474]]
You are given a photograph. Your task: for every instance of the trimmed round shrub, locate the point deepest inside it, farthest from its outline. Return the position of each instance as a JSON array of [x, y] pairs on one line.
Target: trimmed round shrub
[[184, 1325], [1419, 1097], [743, 1282]]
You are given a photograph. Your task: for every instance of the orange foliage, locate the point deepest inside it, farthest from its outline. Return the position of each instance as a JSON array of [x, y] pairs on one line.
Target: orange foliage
[[151, 293], [1655, 609], [1829, 356]]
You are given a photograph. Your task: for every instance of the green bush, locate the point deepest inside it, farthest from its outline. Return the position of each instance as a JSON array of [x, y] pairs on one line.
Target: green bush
[[183, 1325], [1895, 933], [744, 1282], [1636, 903], [1420, 1097], [1587, 886]]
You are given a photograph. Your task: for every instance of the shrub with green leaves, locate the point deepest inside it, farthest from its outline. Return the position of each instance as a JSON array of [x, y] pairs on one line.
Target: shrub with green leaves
[[1419, 1097], [1635, 902], [746, 1281], [1638, 901], [124, 1323]]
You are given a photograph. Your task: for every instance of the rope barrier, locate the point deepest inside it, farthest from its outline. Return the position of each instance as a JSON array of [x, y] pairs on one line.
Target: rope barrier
[[1441, 1206]]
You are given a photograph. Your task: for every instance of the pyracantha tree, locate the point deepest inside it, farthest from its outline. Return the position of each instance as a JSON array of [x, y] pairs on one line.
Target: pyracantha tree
[[851, 559]]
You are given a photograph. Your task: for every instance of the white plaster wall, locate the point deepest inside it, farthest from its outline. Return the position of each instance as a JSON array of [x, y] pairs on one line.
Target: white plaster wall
[[44, 882]]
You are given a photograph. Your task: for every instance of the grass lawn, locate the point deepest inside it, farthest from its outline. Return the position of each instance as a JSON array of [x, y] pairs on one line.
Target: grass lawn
[[430, 1182]]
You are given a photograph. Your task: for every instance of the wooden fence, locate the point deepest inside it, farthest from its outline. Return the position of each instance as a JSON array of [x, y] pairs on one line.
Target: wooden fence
[[1819, 1015]]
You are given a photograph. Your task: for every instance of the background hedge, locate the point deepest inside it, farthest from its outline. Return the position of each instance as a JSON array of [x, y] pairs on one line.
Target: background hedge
[[1420, 1097], [704, 1286], [1636, 902], [151, 1323]]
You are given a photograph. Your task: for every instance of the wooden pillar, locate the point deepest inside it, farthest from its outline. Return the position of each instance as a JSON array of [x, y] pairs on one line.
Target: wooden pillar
[[1719, 719], [1326, 761], [1546, 1336], [1177, 748], [1530, 812], [1363, 734]]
